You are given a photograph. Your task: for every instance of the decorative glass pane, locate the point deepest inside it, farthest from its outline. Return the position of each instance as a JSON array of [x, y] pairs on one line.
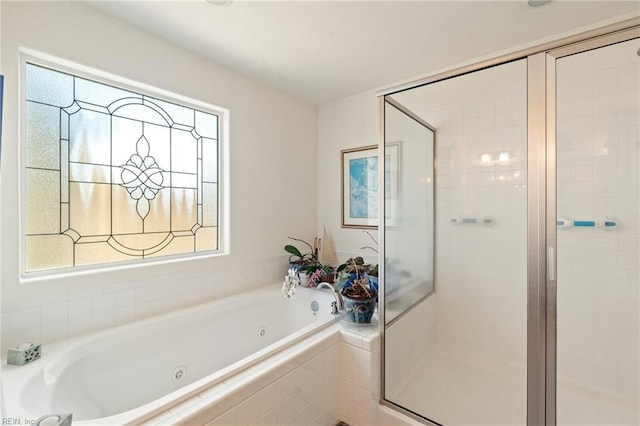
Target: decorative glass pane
[[43, 132], [127, 221], [90, 206], [43, 207], [100, 94], [209, 203], [46, 87], [124, 136], [207, 125], [210, 160], [184, 212], [49, 251], [101, 252], [80, 172], [178, 245], [115, 175], [184, 152], [159, 219], [141, 113], [179, 114], [205, 237], [90, 137], [159, 138]]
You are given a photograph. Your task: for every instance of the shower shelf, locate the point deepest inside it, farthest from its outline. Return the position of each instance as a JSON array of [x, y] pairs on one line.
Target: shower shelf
[[457, 220], [602, 224]]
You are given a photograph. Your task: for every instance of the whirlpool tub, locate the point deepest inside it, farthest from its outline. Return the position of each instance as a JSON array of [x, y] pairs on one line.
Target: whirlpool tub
[[137, 372]]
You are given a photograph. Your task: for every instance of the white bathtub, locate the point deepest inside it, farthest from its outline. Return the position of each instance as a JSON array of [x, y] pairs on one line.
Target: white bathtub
[[131, 373]]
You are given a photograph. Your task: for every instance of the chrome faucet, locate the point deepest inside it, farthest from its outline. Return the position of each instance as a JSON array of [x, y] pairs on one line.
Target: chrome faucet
[[338, 304]]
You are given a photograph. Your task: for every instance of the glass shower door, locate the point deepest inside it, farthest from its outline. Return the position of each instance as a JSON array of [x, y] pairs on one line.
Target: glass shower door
[[459, 356], [598, 229]]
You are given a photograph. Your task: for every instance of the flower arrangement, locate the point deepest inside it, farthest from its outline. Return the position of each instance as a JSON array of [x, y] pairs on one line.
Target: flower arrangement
[[291, 280], [310, 270]]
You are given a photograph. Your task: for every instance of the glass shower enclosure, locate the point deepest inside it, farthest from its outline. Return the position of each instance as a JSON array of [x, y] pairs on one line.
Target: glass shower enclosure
[[511, 238]]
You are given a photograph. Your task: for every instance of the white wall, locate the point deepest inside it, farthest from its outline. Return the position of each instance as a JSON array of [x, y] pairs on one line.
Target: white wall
[[273, 150], [351, 122]]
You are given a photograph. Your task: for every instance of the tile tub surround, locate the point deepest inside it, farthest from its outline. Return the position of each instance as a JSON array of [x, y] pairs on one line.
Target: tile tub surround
[[84, 311], [330, 376]]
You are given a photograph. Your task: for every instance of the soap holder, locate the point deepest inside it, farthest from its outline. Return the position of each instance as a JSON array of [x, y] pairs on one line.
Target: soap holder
[[23, 354]]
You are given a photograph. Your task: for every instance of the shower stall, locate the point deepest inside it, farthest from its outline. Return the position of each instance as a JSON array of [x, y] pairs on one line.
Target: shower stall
[[511, 238]]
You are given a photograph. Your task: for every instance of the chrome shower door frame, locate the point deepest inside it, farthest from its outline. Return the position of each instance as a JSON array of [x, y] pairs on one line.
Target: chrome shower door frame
[[541, 207]]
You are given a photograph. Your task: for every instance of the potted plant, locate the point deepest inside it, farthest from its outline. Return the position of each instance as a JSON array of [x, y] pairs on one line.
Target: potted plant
[[309, 268], [359, 296], [373, 277], [372, 271]]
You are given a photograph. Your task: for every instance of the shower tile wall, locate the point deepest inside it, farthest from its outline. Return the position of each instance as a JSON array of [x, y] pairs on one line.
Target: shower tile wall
[[598, 277], [92, 309], [481, 172]]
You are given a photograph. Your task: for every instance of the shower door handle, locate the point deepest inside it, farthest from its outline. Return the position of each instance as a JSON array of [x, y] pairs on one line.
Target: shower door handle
[[551, 263]]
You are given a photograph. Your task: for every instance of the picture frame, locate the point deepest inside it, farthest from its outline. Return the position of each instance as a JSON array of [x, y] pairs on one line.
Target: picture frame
[[359, 177]]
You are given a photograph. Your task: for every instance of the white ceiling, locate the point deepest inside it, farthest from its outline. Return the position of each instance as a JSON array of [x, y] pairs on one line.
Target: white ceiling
[[324, 50]]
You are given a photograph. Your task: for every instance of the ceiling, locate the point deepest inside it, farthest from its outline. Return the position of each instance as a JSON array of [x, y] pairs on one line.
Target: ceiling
[[325, 50]]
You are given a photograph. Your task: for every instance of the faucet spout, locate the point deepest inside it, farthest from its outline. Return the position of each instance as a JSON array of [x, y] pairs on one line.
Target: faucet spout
[[339, 303]]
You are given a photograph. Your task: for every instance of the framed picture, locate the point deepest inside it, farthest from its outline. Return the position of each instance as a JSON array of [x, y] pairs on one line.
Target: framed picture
[[360, 187], [360, 206]]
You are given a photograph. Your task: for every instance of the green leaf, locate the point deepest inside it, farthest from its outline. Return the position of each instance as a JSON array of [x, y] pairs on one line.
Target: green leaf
[[293, 250]]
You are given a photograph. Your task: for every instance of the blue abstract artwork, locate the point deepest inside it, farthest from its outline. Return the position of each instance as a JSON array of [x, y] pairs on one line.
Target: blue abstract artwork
[[363, 188]]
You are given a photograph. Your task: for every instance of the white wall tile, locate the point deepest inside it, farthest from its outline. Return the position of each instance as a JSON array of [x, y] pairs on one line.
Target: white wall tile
[[82, 293], [104, 302], [144, 310], [80, 325], [249, 410], [6, 323], [55, 312], [104, 320], [125, 315], [55, 332], [144, 294], [592, 318], [25, 318], [126, 297], [80, 307], [229, 418]]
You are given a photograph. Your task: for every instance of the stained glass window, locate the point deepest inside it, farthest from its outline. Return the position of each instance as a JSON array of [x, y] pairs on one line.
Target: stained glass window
[[114, 175]]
